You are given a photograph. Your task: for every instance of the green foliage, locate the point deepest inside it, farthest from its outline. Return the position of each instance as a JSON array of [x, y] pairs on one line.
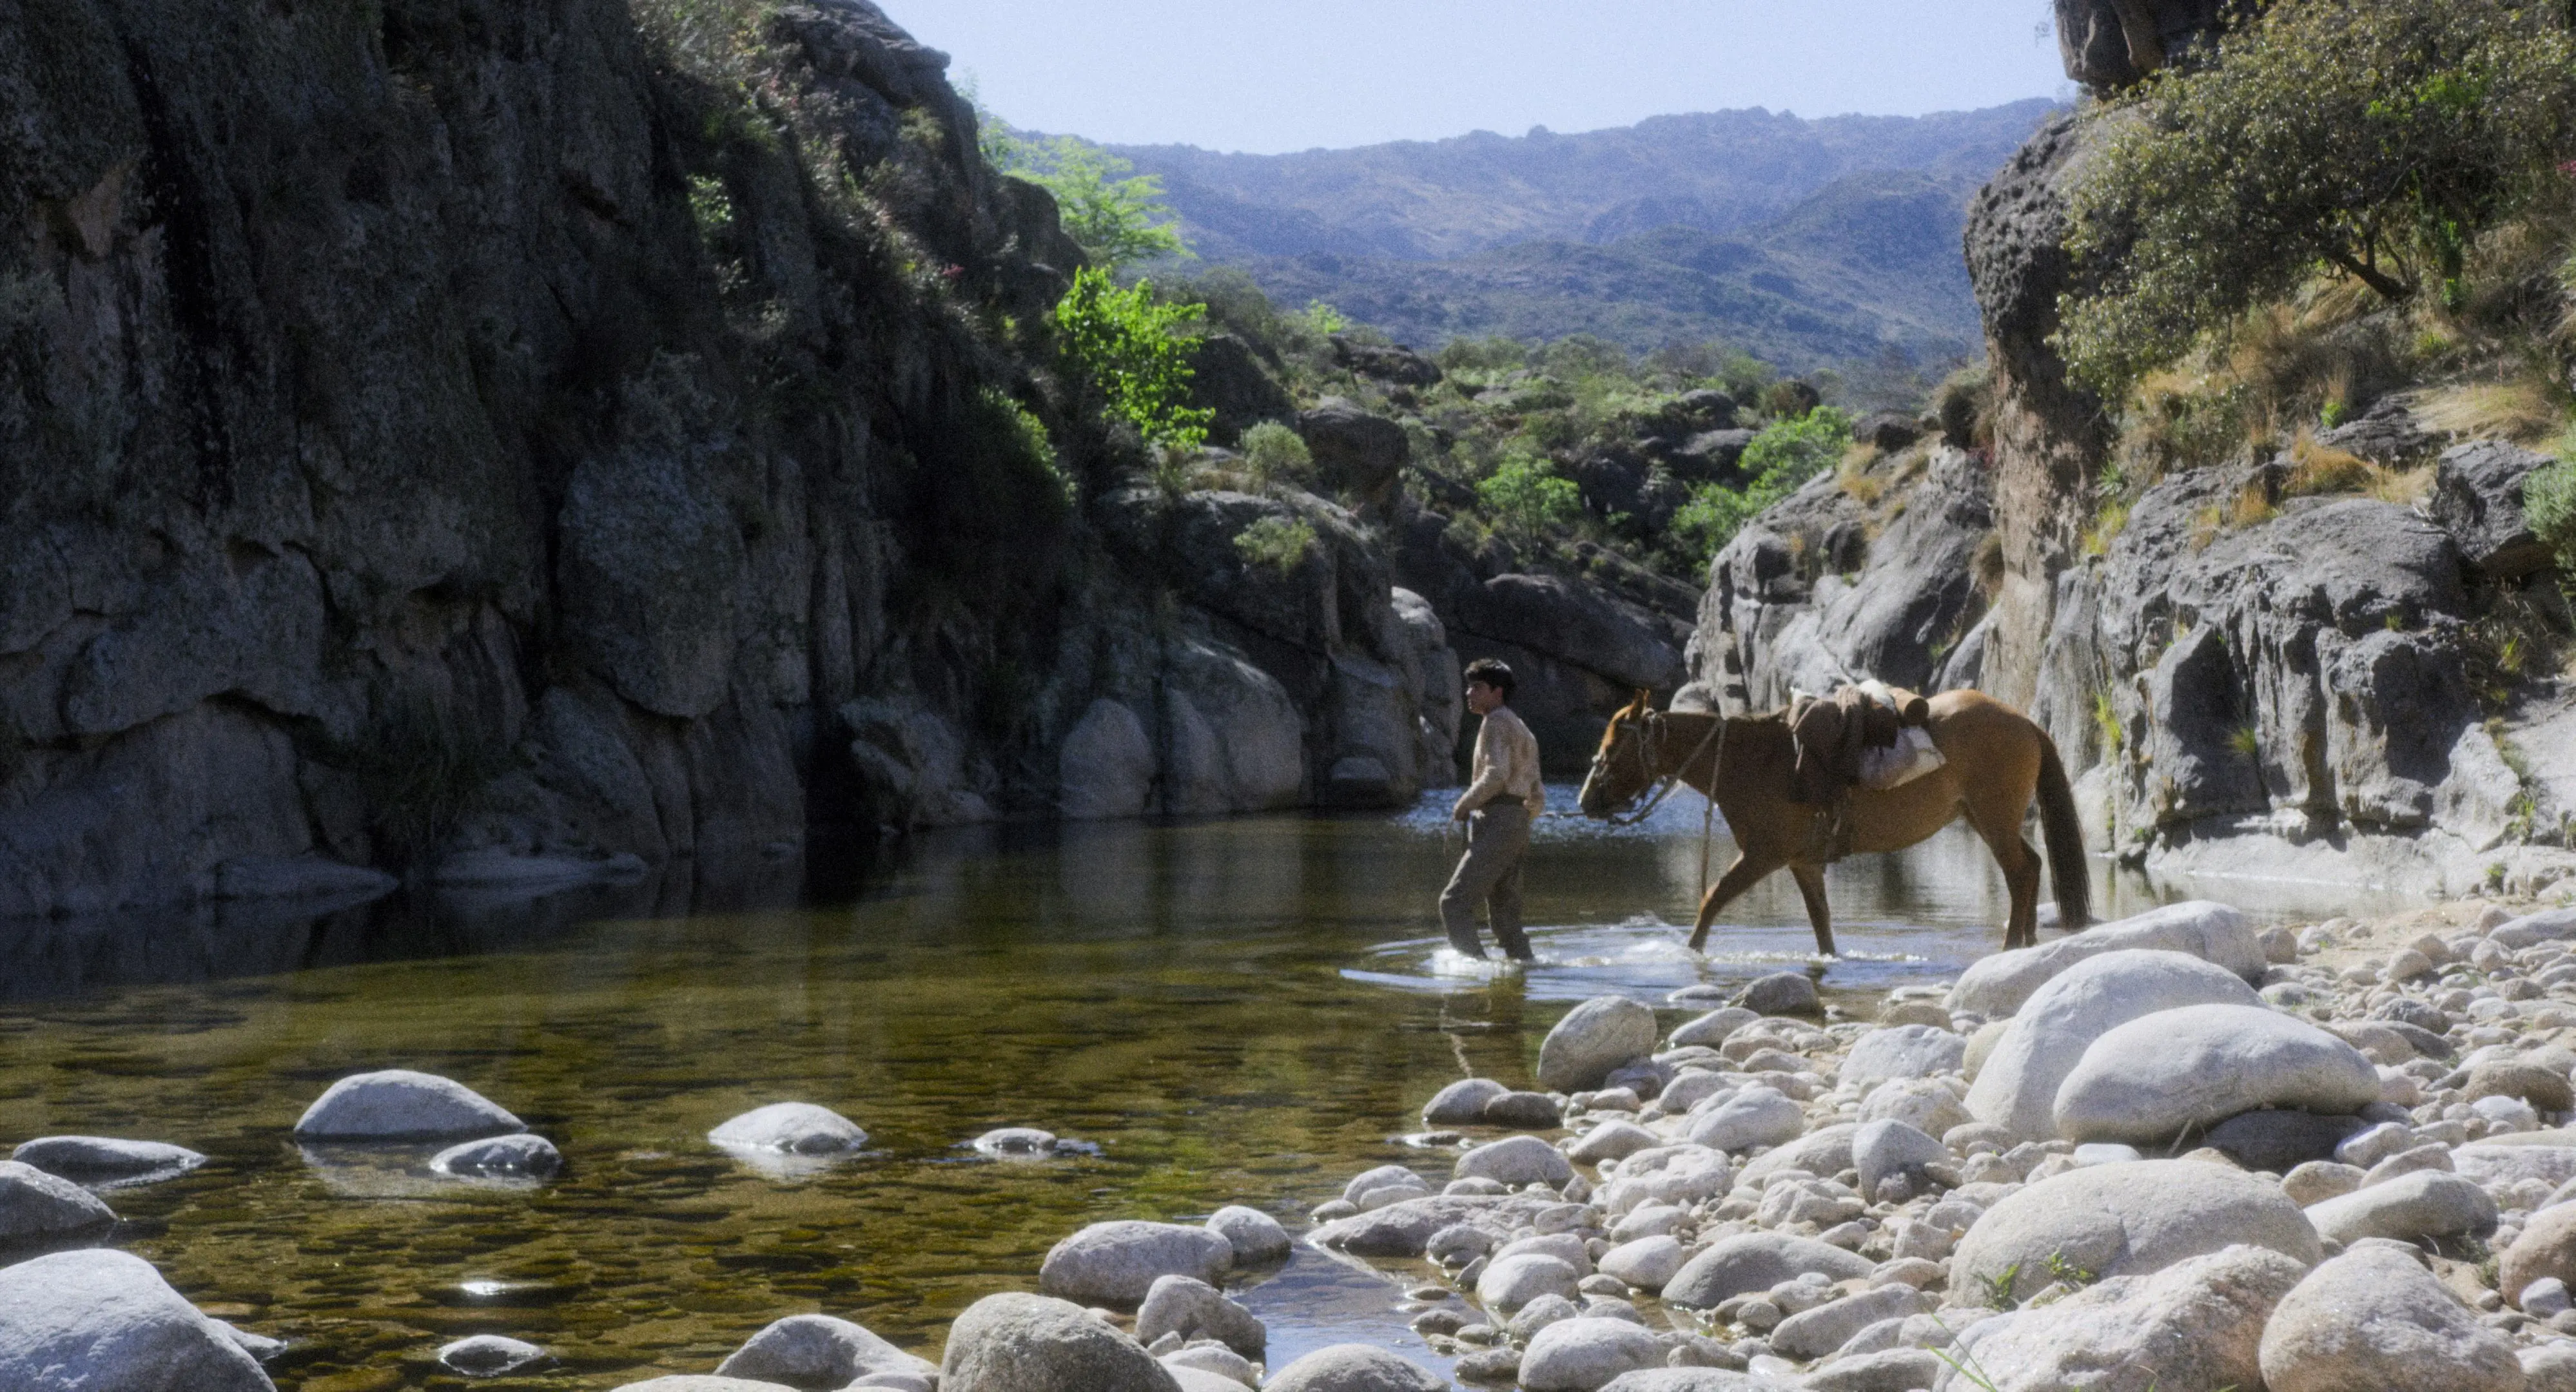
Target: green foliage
[[1324, 319], [1133, 348], [720, 42], [1280, 543], [1009, 430], [1117, 216], [1274, 454], [1526, 496], [1999, 1287], [2549, 505], [2377, 137], [1785, 455]]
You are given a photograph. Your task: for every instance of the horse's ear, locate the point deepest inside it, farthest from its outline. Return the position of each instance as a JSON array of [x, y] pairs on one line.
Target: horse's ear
[[1645, 701]]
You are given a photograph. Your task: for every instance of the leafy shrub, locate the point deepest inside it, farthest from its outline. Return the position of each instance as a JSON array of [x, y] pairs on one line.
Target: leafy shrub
[[1280, 543], [720, 42], [1118, 217], [2549, 504], [1785, 455], [1132, 348], [1526, 496], [2376, 136], [1273, 453]]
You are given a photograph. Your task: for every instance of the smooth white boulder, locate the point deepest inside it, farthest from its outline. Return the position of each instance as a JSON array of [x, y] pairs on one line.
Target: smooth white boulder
[[2017, 1086], [1031, 1343], [1194, 1309], [1646, 1262], [397, 1104], [789, 1128], [820, 1350], [1814, 1333], [105, 1159], [1516, 1160], [2157, 1076], [1343, 1368], [1711, 1029], [2197, 1323], [1757, 1261], [1884, 1148], [2125, 1220], [103, 1321], [1512, 1281], [1462, 1103], [35, 1205], [2426, 1203], [488, 1355], [2373, 1318], [1116, 1264], [520, 1157], [1998, 984], [1593, 1038], [1757, 1116], [1255, 1236], [1583, 1354], [1901, 1051]]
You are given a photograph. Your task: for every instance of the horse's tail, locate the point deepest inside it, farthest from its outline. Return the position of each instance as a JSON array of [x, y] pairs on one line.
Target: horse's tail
[[2064, 833]]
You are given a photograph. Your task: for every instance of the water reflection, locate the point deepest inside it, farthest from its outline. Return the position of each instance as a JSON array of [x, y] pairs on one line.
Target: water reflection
[[1241, 1011]]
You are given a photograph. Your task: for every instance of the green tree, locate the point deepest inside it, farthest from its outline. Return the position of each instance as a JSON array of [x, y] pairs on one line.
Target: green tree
[[2375, 137], [1117, 216], [1135, 350], [1778, 461], [1525, 496]]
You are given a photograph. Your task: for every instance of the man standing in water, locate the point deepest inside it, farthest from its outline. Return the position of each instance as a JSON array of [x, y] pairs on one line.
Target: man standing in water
[[1502, 796]]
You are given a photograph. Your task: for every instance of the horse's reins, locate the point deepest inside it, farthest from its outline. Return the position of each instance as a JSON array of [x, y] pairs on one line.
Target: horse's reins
[[1651, 740]]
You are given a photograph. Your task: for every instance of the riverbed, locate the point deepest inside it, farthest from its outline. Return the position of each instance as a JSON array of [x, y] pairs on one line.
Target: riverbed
[[1240, 1011]]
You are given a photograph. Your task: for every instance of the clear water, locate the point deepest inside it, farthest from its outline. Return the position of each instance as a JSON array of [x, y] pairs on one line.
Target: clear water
[[1243, 1011]]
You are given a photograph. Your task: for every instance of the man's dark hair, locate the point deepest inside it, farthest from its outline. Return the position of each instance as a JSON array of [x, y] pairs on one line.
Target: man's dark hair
[[1493, 672]]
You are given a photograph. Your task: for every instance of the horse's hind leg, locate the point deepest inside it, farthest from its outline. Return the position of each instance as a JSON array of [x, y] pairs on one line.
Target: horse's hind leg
[[2020, 864], [1811, 887], [1739, 877]]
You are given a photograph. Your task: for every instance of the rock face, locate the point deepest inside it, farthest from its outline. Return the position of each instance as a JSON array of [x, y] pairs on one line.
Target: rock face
[[2155, 1077], [1030, 1343], [399, 1104], [397, 483], [2197, 1323], [80, 1320], [2374, 1317], [2477, 498], [1117, 1263], [2126, 1220], [2017, 1087], [1784, 611]]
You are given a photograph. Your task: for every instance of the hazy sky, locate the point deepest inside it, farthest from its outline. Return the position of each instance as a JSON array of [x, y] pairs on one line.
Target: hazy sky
[[1264, 76]]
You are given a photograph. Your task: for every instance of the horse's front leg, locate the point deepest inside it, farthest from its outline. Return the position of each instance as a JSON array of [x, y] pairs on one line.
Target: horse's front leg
[[1747, 870], [1811, 887]]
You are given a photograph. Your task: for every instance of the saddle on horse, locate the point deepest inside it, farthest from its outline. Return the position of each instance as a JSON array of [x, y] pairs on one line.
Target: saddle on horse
[[1870, 733]]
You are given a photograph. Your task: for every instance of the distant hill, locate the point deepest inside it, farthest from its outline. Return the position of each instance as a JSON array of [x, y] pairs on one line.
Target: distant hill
[[1808, 242]]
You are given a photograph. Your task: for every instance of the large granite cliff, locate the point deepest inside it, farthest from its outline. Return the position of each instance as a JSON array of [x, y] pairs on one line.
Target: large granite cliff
[[454, 436]]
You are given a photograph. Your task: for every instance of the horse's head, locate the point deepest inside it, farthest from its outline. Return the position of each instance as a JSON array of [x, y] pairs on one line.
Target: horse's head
[[1623, 768]]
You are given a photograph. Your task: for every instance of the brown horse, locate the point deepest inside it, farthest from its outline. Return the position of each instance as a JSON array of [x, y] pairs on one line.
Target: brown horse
[[1995, 760]]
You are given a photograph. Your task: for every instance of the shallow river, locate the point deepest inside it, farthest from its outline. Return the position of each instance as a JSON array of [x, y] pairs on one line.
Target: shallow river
[[1243, 1011]]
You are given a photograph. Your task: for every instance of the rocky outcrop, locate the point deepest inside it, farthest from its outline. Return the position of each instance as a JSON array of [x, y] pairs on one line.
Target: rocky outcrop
[[453, 429], [1826, 588]]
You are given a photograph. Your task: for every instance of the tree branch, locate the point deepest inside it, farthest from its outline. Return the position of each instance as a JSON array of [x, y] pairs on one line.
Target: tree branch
[[2380, 281]]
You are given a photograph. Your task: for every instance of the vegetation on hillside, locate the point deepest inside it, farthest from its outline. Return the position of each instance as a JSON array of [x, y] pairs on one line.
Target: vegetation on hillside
[[2351, 201]]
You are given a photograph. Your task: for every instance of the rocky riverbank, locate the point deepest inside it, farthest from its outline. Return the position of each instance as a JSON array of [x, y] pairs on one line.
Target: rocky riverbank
[[2172, 1151]]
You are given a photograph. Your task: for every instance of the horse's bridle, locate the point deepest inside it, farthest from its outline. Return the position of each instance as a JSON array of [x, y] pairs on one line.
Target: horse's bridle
[[1650, 743]]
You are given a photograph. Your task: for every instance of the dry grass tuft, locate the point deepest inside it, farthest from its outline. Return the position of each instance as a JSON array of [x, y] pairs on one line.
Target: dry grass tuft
[[2522, 411]]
